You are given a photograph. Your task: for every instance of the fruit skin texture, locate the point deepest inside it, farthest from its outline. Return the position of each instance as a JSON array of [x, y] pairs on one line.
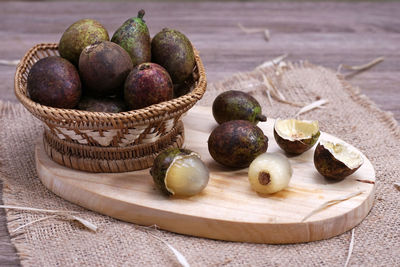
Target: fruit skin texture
[[111, 105], [79, 35], [147, 84], [134, 37], [296, 147], [103, 68], [161, 164], [236, 105], [173, 50], [237, 143], [184, 88], [328, 166], [54, 81]]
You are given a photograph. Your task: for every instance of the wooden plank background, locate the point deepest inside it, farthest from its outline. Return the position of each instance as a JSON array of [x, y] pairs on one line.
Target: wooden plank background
[[323, 33]]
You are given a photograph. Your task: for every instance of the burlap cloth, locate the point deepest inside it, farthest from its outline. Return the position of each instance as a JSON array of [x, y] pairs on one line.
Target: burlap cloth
[[348, 115]]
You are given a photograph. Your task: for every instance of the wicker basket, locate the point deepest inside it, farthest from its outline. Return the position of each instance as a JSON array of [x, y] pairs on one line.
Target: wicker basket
[[108, 142]]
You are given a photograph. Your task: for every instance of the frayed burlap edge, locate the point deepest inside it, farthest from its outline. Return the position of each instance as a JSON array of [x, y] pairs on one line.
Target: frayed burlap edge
[[355, 93], [12, 216], [13, 109]]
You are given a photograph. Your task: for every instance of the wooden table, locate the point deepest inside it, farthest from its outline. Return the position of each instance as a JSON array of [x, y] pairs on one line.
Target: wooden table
[[323, 33]]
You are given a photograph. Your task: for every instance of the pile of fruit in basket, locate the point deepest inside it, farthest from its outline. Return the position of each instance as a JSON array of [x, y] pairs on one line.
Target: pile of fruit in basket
[[131, 71]]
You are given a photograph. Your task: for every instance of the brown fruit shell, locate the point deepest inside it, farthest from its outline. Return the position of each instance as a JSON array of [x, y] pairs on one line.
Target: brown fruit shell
[[296, 147], [330, 167]]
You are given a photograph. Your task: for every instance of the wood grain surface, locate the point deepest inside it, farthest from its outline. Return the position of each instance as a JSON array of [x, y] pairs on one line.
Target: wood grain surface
[[323, 33], [275, 218]]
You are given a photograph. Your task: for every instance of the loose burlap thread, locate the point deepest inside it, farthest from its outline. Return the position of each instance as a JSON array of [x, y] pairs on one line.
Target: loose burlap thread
[[348, 115]]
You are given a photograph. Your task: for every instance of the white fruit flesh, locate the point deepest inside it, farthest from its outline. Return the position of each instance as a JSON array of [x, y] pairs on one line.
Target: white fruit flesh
[[274, 167], [292, 129], [186, 176], [344, 153]]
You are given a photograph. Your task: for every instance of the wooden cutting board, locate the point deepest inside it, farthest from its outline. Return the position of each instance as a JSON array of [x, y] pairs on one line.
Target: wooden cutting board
[[227, 209]]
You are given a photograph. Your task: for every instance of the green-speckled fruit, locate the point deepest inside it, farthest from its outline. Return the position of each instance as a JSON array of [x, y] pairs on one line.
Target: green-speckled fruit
[[134, 37], [79, 35], [236, 105], [336, 161], [147, 84], [173, 50], [296, 136], [179, 172], [237, 143]]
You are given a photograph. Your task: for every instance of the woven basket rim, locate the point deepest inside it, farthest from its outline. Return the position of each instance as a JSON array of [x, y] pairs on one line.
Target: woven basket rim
[[146, 113]]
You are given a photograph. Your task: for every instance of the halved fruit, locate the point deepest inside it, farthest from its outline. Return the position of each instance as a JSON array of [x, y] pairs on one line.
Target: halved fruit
[[296, 136], [336, 160]]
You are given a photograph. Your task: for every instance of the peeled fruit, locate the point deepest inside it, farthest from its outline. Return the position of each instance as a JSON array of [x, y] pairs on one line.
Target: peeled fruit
[[236, 143], [103, 68], [173, 50], [53, 81], [134, 37], [270, 173], [79, 35], [147, 84], [236, 105], [336, 160], [296, 136], [105, 104], [179, 172]]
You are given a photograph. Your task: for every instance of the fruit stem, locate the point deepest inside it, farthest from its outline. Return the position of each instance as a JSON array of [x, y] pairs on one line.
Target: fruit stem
[[264, 178], [261, 117], [144, 66], [141, 14]]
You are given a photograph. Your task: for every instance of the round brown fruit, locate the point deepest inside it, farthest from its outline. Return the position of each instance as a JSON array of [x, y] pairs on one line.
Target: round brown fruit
[[54, 81], [147, 84], [237, 143], [336, 160], [103, 104], [103, 68]]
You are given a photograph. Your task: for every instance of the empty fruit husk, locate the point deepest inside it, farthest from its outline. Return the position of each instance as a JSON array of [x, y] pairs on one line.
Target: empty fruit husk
[[296, 136], [336, 160]]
